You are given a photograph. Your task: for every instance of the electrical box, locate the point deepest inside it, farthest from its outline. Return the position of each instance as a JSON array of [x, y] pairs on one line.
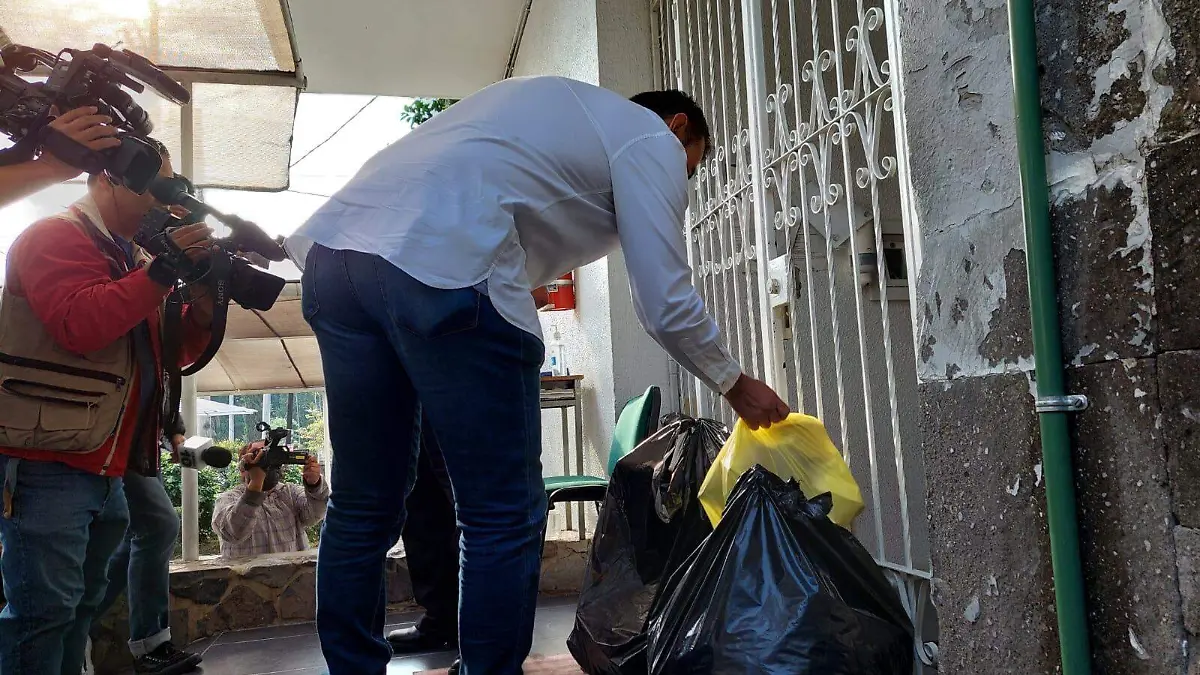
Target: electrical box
[[779, 280]]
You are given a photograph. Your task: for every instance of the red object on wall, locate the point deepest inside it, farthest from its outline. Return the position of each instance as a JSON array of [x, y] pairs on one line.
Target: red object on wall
[[561, 293]]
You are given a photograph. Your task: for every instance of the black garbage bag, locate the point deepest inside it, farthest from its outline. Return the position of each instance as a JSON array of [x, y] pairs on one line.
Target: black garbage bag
[[779, 589], [650, 523]]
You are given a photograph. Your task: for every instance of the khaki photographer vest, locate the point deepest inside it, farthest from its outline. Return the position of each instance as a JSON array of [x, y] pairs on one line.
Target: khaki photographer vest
[[50, 398]]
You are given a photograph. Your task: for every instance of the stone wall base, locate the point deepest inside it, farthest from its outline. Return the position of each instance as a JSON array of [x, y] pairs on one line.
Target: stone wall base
[[213, 596]]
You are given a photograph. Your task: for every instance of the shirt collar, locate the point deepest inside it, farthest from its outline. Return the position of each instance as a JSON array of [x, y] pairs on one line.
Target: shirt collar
[[87, 206]]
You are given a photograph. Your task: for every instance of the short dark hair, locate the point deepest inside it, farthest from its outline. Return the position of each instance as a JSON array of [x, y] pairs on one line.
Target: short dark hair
[[671, 102]]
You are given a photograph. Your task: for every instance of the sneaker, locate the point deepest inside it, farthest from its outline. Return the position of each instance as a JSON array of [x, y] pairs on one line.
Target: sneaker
[[166, 660]]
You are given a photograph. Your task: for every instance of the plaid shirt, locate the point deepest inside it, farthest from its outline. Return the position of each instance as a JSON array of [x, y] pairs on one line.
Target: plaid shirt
[[255, 523]]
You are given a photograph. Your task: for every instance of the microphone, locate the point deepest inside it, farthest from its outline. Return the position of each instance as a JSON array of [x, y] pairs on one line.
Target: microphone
[[247, 236], [218, 458], [198, 452], [175, 192]]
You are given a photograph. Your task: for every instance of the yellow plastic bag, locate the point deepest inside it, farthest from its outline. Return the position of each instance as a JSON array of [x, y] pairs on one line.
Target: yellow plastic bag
[[799, 447]]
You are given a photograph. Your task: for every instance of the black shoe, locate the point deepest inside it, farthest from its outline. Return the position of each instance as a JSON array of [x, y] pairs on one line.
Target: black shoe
[[166, 660], [413, 641], [454, 668]]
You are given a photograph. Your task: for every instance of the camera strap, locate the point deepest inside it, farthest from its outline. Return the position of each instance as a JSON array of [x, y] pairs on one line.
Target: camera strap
[[219, 271], [172, 381]]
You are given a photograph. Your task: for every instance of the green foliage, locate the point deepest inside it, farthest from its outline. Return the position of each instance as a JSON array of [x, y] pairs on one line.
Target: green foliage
[[310, 437], [422, 109]]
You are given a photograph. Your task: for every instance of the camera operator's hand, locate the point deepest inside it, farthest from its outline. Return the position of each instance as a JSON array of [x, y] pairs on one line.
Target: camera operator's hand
[[312, 471], [176, 441], [192, 239], [85, 127], [250, 456]]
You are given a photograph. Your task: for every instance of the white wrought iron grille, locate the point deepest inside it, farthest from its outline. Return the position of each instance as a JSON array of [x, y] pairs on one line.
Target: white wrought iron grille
[[796, 234]]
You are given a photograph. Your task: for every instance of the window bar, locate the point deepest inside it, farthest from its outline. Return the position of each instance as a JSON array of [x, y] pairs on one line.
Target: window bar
[[696, 209], [845, 126], [724, 157], [891, 10], [744, 171], [721, 216], [756, 98]]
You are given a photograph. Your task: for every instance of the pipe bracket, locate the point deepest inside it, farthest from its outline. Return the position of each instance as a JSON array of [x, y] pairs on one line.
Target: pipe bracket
[[1062, 404]]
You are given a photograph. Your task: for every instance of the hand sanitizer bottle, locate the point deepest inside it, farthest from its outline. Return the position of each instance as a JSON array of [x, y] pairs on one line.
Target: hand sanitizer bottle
[[556, 355]]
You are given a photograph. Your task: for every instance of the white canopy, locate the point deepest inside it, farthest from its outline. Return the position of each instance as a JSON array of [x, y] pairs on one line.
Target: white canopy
[[265, 350], [236, 56], [207, 408]]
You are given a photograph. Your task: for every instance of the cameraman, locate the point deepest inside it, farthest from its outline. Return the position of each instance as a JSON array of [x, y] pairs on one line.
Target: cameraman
[[81, 125], [266, 515], [80, 341]]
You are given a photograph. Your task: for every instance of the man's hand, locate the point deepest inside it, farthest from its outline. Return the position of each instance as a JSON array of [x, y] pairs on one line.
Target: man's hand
[[192, 239], [250, 456], [541, 297], [85, 127], [756, 403], [312, 471]]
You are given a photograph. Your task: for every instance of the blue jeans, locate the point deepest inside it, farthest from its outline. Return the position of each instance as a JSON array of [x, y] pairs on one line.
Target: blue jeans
[[143, 563], [65, 525], [393, 348]]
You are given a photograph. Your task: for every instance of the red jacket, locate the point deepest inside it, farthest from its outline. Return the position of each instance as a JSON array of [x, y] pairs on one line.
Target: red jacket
[[67, 280]]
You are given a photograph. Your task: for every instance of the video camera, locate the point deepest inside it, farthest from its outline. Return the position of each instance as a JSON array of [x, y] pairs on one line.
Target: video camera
[[277, 454], [96, 77], [228, 271]]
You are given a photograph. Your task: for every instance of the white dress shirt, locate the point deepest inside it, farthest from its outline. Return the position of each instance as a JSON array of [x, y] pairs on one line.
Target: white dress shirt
[[521, 183]]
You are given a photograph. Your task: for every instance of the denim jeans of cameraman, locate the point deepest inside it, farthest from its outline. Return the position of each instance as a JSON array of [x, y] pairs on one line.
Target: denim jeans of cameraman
[[393, 348], [142, 564], [63, 529]]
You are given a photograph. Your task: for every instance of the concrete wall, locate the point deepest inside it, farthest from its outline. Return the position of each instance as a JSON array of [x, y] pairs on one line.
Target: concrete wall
[[1119, 93], [607, 43]]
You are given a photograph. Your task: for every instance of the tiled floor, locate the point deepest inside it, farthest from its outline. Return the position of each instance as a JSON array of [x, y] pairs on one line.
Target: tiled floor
[[294, 650]]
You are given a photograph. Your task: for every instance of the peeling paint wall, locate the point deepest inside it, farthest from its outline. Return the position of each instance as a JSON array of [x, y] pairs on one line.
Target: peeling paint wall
[[1121, 104]]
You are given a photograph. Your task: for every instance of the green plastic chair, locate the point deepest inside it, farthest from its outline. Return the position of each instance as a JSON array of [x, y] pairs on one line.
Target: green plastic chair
[[638, 420]]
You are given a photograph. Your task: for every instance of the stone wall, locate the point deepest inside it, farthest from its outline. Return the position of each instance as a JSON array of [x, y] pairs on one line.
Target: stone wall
[[1121, 100], [214, 596]]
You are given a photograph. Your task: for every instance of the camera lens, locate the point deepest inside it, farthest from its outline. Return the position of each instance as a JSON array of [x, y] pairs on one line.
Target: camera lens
[[125, 105]]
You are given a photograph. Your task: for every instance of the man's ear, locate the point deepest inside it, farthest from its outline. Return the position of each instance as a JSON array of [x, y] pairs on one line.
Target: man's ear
[[678, 123]]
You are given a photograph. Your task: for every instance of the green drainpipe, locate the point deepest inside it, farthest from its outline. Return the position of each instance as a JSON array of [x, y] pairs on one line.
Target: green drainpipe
[[1053, 403]]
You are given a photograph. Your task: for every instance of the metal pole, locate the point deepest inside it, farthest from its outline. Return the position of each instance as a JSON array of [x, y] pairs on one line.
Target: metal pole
[[1047, 347], [189, 479], [328, 445]]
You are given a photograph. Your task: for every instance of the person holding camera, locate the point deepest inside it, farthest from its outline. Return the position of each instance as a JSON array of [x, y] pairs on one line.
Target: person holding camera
[[266, 515], [82, 125], [80, 360]]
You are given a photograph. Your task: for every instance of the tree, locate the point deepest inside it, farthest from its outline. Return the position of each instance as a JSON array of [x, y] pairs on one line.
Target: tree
[[422, 109]]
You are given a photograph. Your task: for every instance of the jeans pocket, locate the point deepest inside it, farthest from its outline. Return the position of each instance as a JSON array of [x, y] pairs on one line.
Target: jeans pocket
[[434, 312], [425, 311], [308, 290]]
